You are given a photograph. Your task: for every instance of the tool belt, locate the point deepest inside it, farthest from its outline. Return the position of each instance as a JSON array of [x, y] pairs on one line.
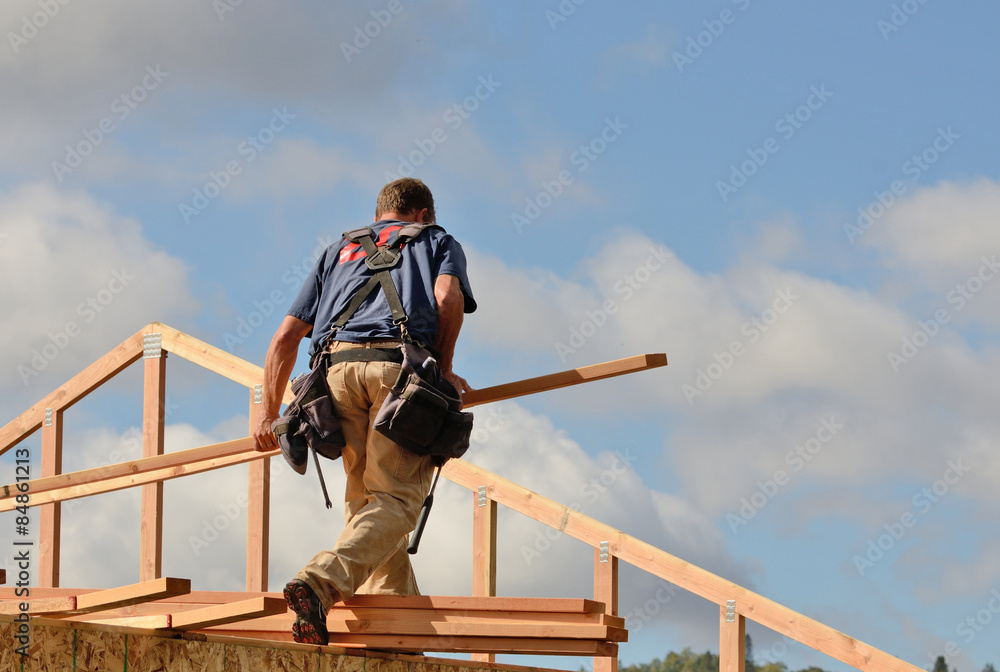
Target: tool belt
[[423, 410]]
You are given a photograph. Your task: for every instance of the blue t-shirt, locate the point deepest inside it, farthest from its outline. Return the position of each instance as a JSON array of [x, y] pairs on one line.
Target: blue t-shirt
[[340, 272]]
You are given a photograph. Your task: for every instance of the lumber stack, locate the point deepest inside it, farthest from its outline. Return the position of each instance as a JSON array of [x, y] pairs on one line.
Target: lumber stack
[[550, 626]]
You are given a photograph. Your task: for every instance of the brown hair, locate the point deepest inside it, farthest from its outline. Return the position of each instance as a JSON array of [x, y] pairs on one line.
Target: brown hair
[[404, 196]]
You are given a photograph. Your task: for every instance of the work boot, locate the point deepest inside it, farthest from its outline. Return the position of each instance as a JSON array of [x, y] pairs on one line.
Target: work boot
[[310, 617]]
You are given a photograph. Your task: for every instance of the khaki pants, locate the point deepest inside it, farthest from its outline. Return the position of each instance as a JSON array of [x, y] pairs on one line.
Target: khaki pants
[[386, 485]]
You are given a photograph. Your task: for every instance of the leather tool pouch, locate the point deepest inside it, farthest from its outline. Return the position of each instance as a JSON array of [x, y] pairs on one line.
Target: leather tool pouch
[[422, 411]]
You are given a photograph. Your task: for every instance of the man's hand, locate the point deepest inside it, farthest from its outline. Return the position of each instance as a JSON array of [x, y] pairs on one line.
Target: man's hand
[[263, 438], [460, 383], [277, 368]]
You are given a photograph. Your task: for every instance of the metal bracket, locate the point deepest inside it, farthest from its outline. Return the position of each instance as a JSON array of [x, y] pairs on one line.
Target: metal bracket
[[481, 492], [605, 551], [730, 611], [48, 417], [152, 346], [258, 394]]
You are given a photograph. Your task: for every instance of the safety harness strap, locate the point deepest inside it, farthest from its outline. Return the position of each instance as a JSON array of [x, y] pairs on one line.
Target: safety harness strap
[[380, 260]]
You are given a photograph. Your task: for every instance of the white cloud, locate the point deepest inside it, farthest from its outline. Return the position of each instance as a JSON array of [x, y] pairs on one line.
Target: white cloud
[[79, 280]]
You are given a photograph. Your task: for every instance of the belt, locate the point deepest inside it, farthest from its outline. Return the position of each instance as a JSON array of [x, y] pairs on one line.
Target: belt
[[365, 355]]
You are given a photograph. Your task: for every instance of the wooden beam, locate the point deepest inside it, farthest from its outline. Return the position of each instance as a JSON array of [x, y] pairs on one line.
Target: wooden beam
[[151, 511], [111, 471], [50, 515], [73, 390], [647, 557], [148, 591], [258, 508], [606, 591], [554, 381], [484, 555], [462, 603], [136, 472], [45, 605], [228, 613], [214, 359], [732, 640]]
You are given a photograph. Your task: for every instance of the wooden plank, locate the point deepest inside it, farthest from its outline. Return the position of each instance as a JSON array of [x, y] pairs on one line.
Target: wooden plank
[[73, 390], [84, 476], [554, 381], [148, 591], [540, 604], [474, 629], [45, 605], [391, 620], [215, 359], [714, 588], [154, 622], [228, 613], [732, 642], [139, 472], [151, 508], [484, 556], [606, 591], [50, 515], [404, 643], [258, 511]]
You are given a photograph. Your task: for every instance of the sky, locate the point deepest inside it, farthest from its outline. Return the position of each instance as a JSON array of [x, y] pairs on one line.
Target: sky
[[796, 202]]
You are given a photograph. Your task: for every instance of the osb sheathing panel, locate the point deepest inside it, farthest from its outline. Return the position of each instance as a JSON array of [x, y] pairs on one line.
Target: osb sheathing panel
[[52, 650], [154, 654], [96, 651], [343, 664], [9, 660], [247, 659]]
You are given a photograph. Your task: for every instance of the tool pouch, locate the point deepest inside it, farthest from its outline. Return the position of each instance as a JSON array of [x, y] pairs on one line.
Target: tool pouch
[[309, 421], [422, 411]]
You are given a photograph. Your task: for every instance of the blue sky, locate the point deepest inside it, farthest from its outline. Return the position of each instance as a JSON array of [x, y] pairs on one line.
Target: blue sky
[[797, 202]]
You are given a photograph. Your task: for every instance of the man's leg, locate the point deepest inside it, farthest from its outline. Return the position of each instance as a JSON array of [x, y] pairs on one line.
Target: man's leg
[[394, 483]]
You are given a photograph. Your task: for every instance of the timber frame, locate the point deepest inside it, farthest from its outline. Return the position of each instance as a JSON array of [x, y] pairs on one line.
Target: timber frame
[[167, 606]]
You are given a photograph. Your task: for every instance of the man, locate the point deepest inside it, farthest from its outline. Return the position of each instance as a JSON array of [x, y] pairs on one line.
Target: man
[[386, 483]]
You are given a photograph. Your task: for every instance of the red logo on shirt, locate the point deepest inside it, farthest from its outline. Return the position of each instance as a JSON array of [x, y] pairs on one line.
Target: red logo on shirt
[[354, 251]]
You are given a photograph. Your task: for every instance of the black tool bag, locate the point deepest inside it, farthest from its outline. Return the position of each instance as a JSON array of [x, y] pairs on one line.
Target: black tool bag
[[309, 423], [422, 412]]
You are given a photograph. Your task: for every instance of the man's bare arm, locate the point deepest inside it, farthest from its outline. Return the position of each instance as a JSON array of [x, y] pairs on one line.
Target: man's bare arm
[[277, 368], [451, 313]]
